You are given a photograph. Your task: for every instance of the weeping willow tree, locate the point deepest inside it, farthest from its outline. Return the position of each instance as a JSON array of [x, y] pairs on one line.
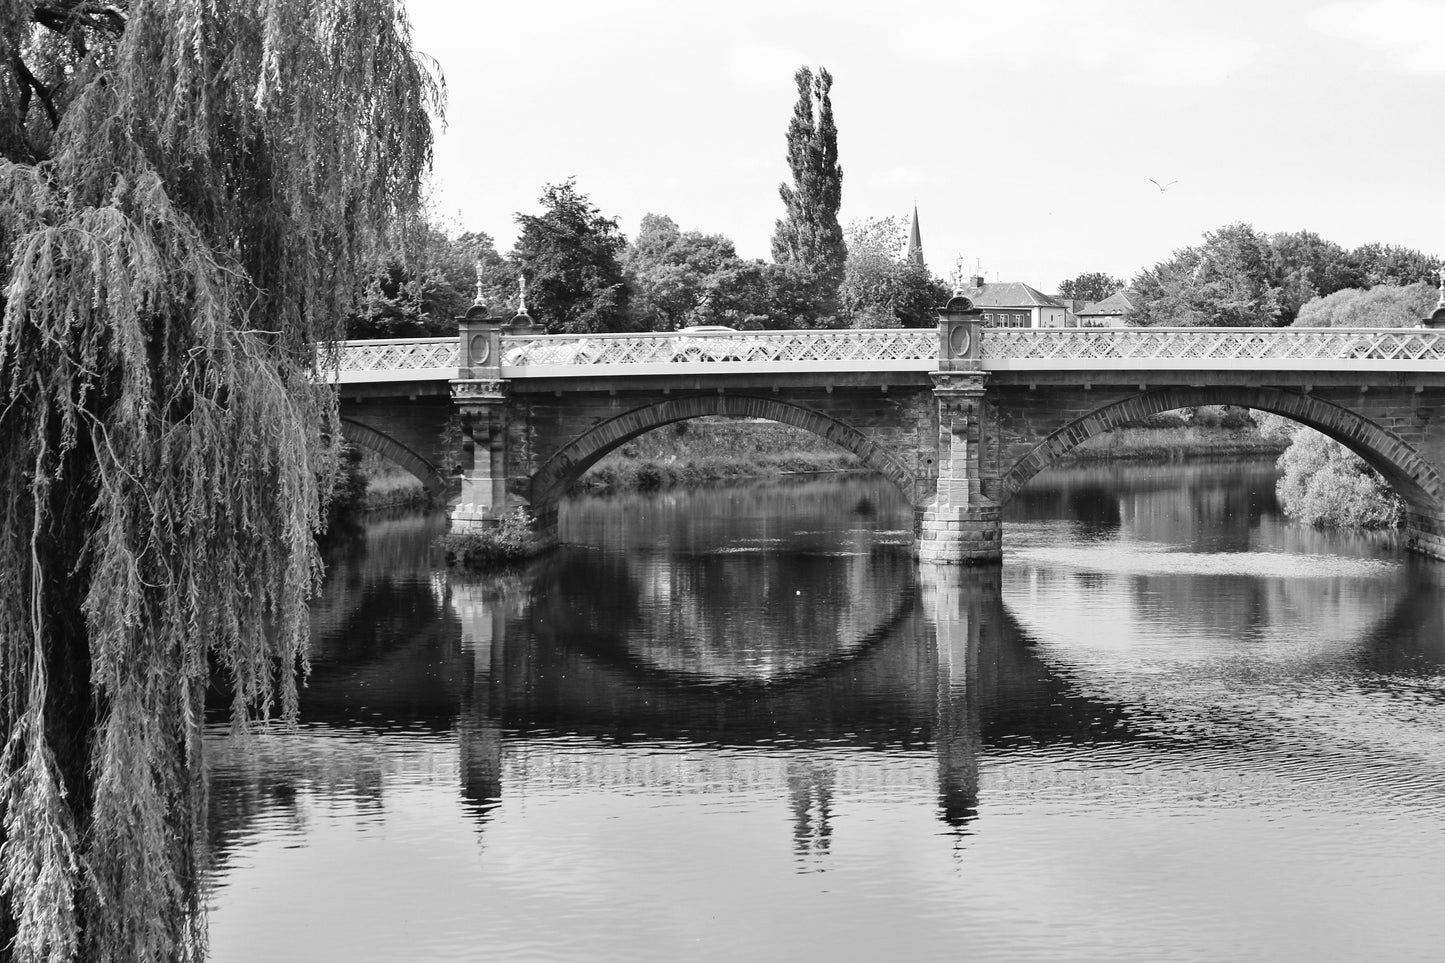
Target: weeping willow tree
[[189, 192]]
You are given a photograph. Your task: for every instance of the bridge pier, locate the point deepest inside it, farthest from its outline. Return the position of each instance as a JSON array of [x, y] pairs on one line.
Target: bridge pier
[[960, 525], [1425, 533], [482, 500]]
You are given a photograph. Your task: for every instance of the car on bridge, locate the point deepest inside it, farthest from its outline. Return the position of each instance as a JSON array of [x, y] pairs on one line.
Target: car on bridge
[[708, 342]]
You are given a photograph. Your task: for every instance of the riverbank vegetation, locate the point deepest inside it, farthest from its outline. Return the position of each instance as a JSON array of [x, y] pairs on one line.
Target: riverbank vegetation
[[510, 540], [712, 449], [1323, 483], [707, 450]]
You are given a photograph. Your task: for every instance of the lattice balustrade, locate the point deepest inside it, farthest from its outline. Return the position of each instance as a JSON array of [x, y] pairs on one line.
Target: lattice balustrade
[[408, 359], [1233, 348], [866, 349], [893, 349]]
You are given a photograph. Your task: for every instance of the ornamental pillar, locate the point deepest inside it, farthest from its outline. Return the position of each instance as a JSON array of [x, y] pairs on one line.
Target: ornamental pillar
[[480, 396], [960, 525]]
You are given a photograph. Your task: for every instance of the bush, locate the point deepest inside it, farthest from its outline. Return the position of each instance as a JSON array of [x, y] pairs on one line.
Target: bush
[[649, 477], [1325, 484], [510, 540], [1383, 306]]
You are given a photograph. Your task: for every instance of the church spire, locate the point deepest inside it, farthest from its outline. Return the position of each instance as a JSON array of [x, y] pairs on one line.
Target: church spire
[[915, 240]]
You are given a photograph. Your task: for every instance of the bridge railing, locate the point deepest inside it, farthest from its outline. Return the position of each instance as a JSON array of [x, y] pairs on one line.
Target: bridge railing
[[399, 359], [903, 349], [859, 349], [1270, 349]]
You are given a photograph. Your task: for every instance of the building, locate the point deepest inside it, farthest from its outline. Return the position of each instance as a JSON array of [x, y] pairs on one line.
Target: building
[[915, 241], [1108, 313], [1013, 304]]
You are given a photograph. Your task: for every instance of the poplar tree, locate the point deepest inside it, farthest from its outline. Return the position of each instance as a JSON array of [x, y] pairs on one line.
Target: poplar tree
[[189, 193], [809, 239]]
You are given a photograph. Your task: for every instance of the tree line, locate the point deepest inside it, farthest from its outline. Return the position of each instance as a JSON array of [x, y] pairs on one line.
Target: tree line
[[583, 275], [1240, 276]]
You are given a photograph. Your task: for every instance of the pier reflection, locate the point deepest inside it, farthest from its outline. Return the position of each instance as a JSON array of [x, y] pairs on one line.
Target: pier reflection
[[735, 699], [819, 669]]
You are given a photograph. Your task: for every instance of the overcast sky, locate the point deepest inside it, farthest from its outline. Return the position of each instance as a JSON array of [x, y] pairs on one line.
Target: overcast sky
[[1027, 131]]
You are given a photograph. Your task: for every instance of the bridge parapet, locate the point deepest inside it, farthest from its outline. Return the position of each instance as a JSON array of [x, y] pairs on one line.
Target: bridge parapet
[[1239, 349], [905, 350], [859, 349], [396, 359]]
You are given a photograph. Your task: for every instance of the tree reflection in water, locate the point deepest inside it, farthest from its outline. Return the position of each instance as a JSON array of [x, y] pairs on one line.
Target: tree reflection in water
[[784, 669]]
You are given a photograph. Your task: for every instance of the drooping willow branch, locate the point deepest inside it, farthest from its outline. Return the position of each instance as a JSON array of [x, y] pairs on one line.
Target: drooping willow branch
[[217, 178]]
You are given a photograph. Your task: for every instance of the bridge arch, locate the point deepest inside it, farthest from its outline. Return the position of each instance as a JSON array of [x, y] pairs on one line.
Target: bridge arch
[[569, 463], [364, 436], [1415, 479]]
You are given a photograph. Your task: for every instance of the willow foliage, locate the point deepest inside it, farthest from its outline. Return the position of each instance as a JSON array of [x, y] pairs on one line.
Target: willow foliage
[[188, 192]]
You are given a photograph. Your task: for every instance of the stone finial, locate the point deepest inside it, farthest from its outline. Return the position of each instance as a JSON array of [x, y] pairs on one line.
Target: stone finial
[[522, 321], [477, 299], [1441, 274]]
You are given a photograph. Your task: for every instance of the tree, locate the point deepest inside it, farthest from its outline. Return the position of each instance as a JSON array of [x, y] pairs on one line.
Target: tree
[[882, 287], [188, 196], [1386, 306], [809, 237], [1092, 286], [570, 255], [668, 271], [1376, 263], [1226, 281], [757, 295], [1304, 266], [426, 279], [1167, 294], [1324, 483]]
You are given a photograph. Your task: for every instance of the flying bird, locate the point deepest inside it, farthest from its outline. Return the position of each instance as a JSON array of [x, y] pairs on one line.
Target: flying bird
[[1162, 187]]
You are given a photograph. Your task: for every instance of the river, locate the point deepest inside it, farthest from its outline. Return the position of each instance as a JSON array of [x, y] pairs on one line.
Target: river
[[743, 724]]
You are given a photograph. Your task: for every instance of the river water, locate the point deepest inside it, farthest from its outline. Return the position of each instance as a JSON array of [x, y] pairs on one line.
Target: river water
[[743, 724]]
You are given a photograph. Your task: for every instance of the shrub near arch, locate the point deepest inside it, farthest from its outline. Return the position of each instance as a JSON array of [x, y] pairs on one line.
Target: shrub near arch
[[572, 461]]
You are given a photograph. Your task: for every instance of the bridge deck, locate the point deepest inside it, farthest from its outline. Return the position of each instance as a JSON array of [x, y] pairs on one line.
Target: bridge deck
[[1105, 350]]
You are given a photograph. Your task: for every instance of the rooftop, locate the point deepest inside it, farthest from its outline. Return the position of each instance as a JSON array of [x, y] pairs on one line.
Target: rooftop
[[1114, 304], [1009, 294]]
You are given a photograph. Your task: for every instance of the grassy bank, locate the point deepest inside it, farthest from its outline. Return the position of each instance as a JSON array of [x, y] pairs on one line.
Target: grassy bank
[[713, 449], [1176, 444], [718, 449], [388, 486]]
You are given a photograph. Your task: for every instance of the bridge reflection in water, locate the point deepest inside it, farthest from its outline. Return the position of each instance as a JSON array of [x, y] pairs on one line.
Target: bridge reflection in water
[[699, 702], [726, 664], [842, 691]]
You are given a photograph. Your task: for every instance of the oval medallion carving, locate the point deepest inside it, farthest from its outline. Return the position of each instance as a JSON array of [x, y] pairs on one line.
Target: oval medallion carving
[[958, 340], [481, 348]]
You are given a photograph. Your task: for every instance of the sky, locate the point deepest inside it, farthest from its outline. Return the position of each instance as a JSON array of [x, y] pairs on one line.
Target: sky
[[1027, 132]]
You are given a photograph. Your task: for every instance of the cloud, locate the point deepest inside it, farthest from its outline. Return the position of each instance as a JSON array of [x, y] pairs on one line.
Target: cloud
[[1132, 43], [902, 177], [1406, 33], [759, 65]]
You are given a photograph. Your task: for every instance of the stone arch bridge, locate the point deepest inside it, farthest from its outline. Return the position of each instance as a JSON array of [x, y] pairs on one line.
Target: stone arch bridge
[[959, 418]]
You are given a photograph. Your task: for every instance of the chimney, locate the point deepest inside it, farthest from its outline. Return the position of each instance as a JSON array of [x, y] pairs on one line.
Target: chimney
[[978, 281]]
